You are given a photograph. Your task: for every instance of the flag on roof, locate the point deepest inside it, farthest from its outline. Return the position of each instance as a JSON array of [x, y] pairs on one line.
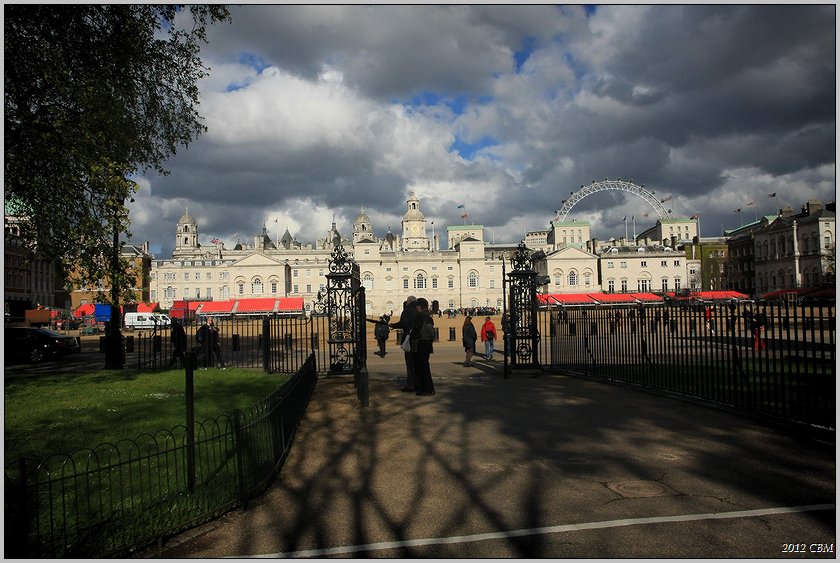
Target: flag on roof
[[464, 216], [215, 241], [625, 218], [772, 195], [666, 199], [695, 216], [461, 206], [737, 210], [751, 203]]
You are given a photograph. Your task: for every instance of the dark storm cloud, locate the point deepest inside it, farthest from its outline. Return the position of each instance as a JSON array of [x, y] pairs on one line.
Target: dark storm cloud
[[710, 104]]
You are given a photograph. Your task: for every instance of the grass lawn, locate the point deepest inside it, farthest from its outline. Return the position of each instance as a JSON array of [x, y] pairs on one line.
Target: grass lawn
[[64, 412]]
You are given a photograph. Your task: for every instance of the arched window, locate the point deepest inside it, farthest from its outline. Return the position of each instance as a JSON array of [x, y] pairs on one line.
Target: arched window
[[558, 278], [169, 292], [240, 288], [256, 286], [573, 279], [186, 229], [451, 303], [473, 303], [186, 240], [587, 279], [420, 281], [225, 291], [367, 280], [472, 280]]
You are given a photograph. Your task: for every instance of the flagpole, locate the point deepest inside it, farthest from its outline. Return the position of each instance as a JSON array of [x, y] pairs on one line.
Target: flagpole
[[625, 227], [634, 228]]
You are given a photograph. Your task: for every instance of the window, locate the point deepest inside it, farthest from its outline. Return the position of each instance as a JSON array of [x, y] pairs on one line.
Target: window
[[611, 285], [197, 276], [169, 292], [451, 303], [677, 284], [558, 279], [573, 278], [240, 288], [492, 283], [587, 279], [209, 276], [420, 281], [197, 293], [450, 282], [295, 288], [225, 291], [623, 264], [405, 283], [389, 283], [610, 264], [309, 288], [434, 283], [472, 279], [208, 293], [676, 262], [186, 293], [664, 284], [623, 285], [186, 276], [644, 263], [664, 263], [153, 295], [274, 287], [294, 273], [256, 287], [643, 285], [367, 280]]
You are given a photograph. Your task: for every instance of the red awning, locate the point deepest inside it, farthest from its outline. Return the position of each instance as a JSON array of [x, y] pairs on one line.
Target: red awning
[[572, 298], [617, 298], [148, 307], [647, 297], [290, 305], [84, 310], [217, 307], [256, 305]]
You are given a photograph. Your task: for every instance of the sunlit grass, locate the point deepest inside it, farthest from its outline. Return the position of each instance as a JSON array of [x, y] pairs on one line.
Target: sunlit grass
[[64, 412]]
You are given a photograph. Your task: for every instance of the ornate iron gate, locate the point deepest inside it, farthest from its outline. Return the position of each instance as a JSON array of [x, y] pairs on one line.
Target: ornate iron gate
[[522, 308], [344, 304]]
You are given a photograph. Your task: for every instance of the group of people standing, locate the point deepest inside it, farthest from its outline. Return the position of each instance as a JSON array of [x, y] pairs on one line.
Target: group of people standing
[[417, 344], [208, 339], [469, 336]]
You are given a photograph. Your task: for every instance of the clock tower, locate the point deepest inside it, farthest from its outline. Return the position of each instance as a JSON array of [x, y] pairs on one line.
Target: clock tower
[[414, 226]]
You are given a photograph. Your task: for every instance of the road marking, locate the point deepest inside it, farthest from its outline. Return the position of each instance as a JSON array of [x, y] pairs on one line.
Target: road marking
[[341, 550]]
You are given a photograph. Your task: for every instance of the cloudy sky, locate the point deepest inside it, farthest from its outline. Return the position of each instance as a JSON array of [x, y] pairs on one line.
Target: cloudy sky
[[315, 112]]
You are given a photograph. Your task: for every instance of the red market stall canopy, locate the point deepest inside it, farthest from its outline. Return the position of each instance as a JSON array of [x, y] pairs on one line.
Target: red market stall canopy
[[579, 299], [253, 306]]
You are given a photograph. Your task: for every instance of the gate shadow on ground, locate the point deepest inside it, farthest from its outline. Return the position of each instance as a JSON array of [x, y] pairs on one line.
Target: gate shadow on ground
[[507, 454]]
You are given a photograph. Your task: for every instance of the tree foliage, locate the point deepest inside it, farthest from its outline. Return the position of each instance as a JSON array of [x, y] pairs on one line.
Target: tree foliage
[[93, 95]]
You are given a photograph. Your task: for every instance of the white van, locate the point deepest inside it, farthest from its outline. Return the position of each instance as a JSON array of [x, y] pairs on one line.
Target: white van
[[145, 320]]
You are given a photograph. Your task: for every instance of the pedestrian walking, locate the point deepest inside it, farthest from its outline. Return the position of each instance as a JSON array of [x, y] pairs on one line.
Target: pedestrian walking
[[488, 336], [178, 338], [422, 336], [406, 323], [202, 337], [507, 329], [381, 332], [468, 337], [215, 345], [759, 320]]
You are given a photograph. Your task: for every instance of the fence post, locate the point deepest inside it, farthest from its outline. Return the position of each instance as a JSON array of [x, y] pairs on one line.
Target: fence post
[[266, 344], [188, 370], [240, 464]]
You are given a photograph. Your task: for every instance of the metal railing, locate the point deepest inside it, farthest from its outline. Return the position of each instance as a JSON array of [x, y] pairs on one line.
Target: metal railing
[[781, 365], [118, 498], [273, 343]]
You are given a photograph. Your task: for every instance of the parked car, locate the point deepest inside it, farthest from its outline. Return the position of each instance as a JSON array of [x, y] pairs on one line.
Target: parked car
[[37, 344]]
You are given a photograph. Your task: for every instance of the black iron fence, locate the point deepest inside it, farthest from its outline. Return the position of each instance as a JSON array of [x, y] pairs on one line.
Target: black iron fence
[[118, 498], [766, 358], [275, 344]]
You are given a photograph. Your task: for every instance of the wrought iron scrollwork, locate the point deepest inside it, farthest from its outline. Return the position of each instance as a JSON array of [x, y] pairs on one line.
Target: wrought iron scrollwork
[[340, 262]]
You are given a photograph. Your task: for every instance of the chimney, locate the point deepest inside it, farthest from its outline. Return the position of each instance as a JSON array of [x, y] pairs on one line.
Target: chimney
[[813, 206], [786, 211], [674, 242]]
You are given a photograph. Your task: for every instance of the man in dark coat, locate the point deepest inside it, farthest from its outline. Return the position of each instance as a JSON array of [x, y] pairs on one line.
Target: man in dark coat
[[406, 323], [422, 337], [179, 342]]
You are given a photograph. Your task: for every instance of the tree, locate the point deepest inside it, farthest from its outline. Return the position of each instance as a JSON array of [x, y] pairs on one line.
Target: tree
[[93, 95]]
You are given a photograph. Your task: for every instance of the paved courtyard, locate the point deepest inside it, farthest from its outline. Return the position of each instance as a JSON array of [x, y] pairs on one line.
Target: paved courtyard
[[547, 466]]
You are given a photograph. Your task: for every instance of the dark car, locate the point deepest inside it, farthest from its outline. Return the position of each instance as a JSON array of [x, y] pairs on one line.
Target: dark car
[[38, 344]]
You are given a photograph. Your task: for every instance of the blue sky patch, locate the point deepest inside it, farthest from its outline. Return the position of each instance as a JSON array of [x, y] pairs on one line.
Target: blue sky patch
[[254, 61], [457, 104], [467, 151], [529, 45]]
